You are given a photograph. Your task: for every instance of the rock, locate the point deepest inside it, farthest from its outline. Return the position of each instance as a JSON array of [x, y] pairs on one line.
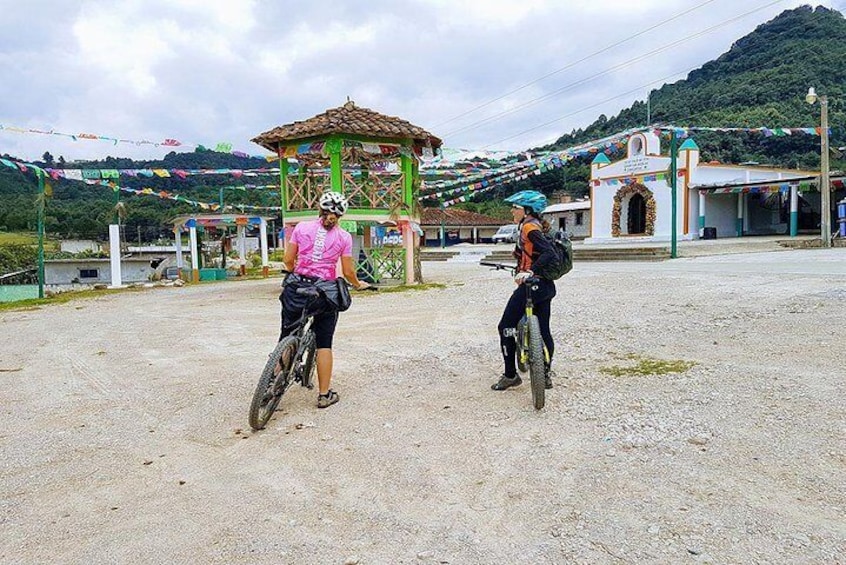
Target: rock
[[354, 560], [653, 529], [425, 555], [802, 538], [698, 440]]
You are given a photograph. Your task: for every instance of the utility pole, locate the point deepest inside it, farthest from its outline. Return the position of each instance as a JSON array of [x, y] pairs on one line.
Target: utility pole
[[673, 188], [648, 108], [41, 202], [825, 183]]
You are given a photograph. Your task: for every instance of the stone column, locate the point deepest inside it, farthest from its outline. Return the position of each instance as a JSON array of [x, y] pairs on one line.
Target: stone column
[[195, 259], [263, 244], [180, 261], [114, 255]]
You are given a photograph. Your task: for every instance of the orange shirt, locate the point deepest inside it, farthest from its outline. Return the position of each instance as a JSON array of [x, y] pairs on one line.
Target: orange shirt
[[527, 247]]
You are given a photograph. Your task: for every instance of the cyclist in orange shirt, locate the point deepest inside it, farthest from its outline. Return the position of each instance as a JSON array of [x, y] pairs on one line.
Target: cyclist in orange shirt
[[532, 252]]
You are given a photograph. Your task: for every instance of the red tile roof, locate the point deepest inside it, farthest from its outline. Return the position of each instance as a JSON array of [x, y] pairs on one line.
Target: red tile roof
[[457, 217], [349, 119]]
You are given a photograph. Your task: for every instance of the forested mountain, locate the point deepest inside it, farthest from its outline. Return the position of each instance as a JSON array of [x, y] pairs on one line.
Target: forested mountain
[[760, 81]]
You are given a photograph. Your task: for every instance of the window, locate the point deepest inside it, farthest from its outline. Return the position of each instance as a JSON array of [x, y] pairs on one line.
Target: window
[[635, 146], [89, 273], [580, 218]]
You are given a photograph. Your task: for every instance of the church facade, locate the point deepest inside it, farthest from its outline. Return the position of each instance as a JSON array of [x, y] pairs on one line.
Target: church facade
[[631, 198]]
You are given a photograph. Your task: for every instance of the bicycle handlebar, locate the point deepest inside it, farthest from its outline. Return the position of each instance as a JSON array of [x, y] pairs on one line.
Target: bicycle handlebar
[[499, 266]]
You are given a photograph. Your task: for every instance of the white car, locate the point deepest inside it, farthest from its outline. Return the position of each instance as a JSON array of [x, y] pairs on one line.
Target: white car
[[506, 234]]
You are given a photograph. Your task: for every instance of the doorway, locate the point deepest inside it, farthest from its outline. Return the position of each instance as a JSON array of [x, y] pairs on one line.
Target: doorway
[[637, 214]]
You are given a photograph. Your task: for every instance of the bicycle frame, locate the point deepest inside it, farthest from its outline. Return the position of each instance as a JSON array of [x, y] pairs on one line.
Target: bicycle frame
[[526, 332]]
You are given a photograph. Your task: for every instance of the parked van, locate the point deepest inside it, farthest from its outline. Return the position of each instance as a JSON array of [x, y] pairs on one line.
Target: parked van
[[506, 234]]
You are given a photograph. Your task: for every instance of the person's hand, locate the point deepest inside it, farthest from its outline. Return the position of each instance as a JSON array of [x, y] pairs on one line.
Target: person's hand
[[521, 277]]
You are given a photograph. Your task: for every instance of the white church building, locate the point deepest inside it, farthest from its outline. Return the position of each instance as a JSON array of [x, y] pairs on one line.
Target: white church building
[[631, 198]]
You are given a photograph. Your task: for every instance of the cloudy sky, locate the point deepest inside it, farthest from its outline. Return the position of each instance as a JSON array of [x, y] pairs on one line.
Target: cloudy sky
[[481, 74]]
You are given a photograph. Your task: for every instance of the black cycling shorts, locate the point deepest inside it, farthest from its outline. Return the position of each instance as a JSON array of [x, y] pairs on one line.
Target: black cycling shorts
[[324, 323]]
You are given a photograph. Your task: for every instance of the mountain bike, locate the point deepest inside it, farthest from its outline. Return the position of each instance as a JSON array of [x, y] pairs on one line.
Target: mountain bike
[[532, 354], [291, 361]]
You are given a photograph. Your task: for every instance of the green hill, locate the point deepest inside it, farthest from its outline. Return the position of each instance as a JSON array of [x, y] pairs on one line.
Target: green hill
[[760, 81]]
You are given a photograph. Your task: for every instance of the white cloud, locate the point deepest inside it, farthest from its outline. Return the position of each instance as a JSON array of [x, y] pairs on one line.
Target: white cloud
[[204, 71]]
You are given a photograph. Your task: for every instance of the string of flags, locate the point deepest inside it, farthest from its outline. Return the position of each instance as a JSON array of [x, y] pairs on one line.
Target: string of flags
[[163, 194], [766, 132], [110, 183], [651, 177], [221, 147], [784, 187], [84, 174]]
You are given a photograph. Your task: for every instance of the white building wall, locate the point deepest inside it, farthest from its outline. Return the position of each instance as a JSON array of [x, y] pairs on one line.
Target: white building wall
[[602, 204], [721, 213], [79, 245], [576, 231], [67, 272]]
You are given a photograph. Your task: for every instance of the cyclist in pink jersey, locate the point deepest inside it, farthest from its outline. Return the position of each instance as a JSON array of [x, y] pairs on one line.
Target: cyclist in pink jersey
[[312, 253]]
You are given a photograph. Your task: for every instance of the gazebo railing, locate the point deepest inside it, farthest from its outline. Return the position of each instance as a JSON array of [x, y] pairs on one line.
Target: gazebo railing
[[374, 192], [381, 264], [304, 193]]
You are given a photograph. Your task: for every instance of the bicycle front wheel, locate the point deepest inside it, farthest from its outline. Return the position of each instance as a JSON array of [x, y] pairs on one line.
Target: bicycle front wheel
[[274, 380], [537, 371]]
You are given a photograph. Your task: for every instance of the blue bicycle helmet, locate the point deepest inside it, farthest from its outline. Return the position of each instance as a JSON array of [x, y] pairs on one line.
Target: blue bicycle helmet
[[531, 199]]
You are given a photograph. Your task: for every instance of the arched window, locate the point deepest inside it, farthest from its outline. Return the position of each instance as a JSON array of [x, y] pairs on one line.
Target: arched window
[[635, 146]]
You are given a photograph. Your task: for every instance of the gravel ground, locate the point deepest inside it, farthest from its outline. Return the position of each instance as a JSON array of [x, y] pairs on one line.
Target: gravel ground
[[124, 436]]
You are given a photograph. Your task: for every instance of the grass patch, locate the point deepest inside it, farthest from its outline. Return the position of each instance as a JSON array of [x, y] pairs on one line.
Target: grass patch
[[647, 366], [62, 298], [408, 287], [17, 238]]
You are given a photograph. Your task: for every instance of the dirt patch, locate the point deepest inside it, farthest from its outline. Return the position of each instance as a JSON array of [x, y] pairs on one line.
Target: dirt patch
[[124, 431]]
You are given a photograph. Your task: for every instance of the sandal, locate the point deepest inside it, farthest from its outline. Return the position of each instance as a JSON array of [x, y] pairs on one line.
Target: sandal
[[328, 399]]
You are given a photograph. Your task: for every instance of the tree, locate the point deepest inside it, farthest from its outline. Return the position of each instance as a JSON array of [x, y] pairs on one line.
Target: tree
[[47, 158]]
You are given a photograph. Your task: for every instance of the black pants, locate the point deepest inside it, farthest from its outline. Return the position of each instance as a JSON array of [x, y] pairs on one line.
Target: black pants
[[514, 311]]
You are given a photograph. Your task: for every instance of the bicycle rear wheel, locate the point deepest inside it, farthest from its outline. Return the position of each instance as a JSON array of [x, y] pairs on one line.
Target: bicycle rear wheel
[[537, 372], [272, 383]]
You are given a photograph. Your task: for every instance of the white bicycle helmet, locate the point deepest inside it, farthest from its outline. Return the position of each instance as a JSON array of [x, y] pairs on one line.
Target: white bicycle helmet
[[334, 202]]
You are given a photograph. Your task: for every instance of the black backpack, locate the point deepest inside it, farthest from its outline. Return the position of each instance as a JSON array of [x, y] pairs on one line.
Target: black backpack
[[563, 264]]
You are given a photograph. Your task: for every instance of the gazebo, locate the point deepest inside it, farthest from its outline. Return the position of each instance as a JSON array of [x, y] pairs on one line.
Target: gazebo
[[191, 222], [369, 157]]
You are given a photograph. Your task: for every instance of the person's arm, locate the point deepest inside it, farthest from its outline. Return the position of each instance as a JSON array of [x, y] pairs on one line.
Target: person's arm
[[348, 268], [290, 258]]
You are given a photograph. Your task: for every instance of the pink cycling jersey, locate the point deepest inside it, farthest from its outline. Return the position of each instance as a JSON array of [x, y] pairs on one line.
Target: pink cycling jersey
[[318, 250]]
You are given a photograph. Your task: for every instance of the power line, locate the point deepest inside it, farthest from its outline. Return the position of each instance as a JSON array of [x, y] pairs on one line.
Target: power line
[[807, 50], [606, 71], [574, 63]]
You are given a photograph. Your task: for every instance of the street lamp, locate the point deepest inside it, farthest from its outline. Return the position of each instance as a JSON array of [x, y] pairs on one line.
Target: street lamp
[[825, 188]]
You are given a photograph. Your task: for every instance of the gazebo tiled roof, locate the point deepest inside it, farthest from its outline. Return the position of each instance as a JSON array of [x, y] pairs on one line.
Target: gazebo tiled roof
[[456, 217], [347, 119]]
